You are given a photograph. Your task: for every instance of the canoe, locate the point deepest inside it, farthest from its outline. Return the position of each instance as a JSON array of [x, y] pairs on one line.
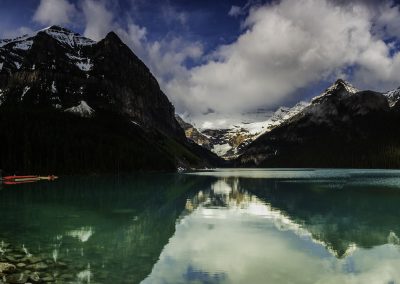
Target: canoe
[[26, 179], [20, 178]]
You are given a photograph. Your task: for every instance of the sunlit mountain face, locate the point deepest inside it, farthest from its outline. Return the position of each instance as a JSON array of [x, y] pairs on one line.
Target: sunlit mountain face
[[221, 226]]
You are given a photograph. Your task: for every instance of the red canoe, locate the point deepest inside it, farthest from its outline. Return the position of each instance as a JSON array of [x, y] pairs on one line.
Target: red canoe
[[20, 178], [25, 179]]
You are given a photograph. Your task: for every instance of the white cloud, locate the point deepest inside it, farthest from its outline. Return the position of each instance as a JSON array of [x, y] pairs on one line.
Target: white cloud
[[99, 19], [164, 57], [54, 12], [287, 46]]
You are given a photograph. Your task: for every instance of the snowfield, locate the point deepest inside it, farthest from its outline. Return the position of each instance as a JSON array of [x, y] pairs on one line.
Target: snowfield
[[83, 110]]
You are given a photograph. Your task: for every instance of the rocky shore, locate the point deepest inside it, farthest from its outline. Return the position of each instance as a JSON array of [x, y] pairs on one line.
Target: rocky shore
[[17, 266]]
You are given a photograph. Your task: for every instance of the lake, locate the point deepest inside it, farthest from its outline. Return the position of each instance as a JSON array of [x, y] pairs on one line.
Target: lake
[[217, 226]]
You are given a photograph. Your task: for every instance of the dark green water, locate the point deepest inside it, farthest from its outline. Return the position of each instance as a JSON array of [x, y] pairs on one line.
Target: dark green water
[[227, 226]]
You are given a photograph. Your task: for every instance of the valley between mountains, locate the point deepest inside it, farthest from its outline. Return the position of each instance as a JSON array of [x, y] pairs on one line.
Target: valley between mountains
[[69, 104]]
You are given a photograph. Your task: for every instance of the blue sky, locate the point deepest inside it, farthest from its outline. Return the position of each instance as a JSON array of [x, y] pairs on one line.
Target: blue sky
[[229, 57], [202, 20]]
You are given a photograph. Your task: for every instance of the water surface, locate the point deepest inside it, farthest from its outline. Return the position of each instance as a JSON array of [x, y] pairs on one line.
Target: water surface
[[220, 226]]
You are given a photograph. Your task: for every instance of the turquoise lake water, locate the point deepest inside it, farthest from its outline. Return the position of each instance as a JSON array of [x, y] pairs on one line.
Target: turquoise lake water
[[219, 226]]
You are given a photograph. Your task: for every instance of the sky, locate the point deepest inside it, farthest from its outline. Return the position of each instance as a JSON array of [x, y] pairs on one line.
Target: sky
[[220, 60]]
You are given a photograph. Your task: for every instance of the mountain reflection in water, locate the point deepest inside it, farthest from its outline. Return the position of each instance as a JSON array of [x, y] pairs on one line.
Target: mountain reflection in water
[[302, 227], [222, 226]]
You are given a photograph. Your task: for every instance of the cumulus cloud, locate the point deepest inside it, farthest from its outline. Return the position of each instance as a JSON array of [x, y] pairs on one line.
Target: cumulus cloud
[[99, 19], [387, 20], [165, 57], [286, 46], [52, 12]]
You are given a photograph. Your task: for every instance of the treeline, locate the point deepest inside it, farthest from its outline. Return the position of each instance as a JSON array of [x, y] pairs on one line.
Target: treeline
[[44, 141]]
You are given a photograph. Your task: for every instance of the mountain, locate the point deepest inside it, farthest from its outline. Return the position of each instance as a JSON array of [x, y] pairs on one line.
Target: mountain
[[343, 127], [229, 143], [70, 104]]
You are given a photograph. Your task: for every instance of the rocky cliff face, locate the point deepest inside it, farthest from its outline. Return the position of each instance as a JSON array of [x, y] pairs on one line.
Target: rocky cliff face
[[59, 69], [55, 73], [194, 134]]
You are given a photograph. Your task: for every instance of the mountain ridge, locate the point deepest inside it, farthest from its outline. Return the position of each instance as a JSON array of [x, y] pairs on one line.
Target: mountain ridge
[[343, 127], [62, 74], [341, 103]]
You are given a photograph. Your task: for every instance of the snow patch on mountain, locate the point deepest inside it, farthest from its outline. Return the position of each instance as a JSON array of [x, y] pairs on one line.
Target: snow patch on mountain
[[83, 110], [135, 123], [26, 89], [67, 37], [53, 87], [1, 97], [221, 149], [85, 66], [3, 42], [82, 63], [393, 96], [17, 65], [23, 45]]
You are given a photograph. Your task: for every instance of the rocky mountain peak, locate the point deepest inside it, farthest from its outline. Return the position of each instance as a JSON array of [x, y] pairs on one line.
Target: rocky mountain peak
[[61, 68], [342, 85], [337, 90], [95, 102], [112, 36]]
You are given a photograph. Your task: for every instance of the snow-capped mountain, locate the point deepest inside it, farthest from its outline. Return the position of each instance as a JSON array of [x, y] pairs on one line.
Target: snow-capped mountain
[[339, 89], [393, 96], [343, 127], [16, 49], [57, 67], [325, 108], [229, 142], [55, 72]]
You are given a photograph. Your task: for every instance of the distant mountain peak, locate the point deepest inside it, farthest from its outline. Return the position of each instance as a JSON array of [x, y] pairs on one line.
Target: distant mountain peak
[[62, 35], [393, 96], [339, 88], [340, 83]]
